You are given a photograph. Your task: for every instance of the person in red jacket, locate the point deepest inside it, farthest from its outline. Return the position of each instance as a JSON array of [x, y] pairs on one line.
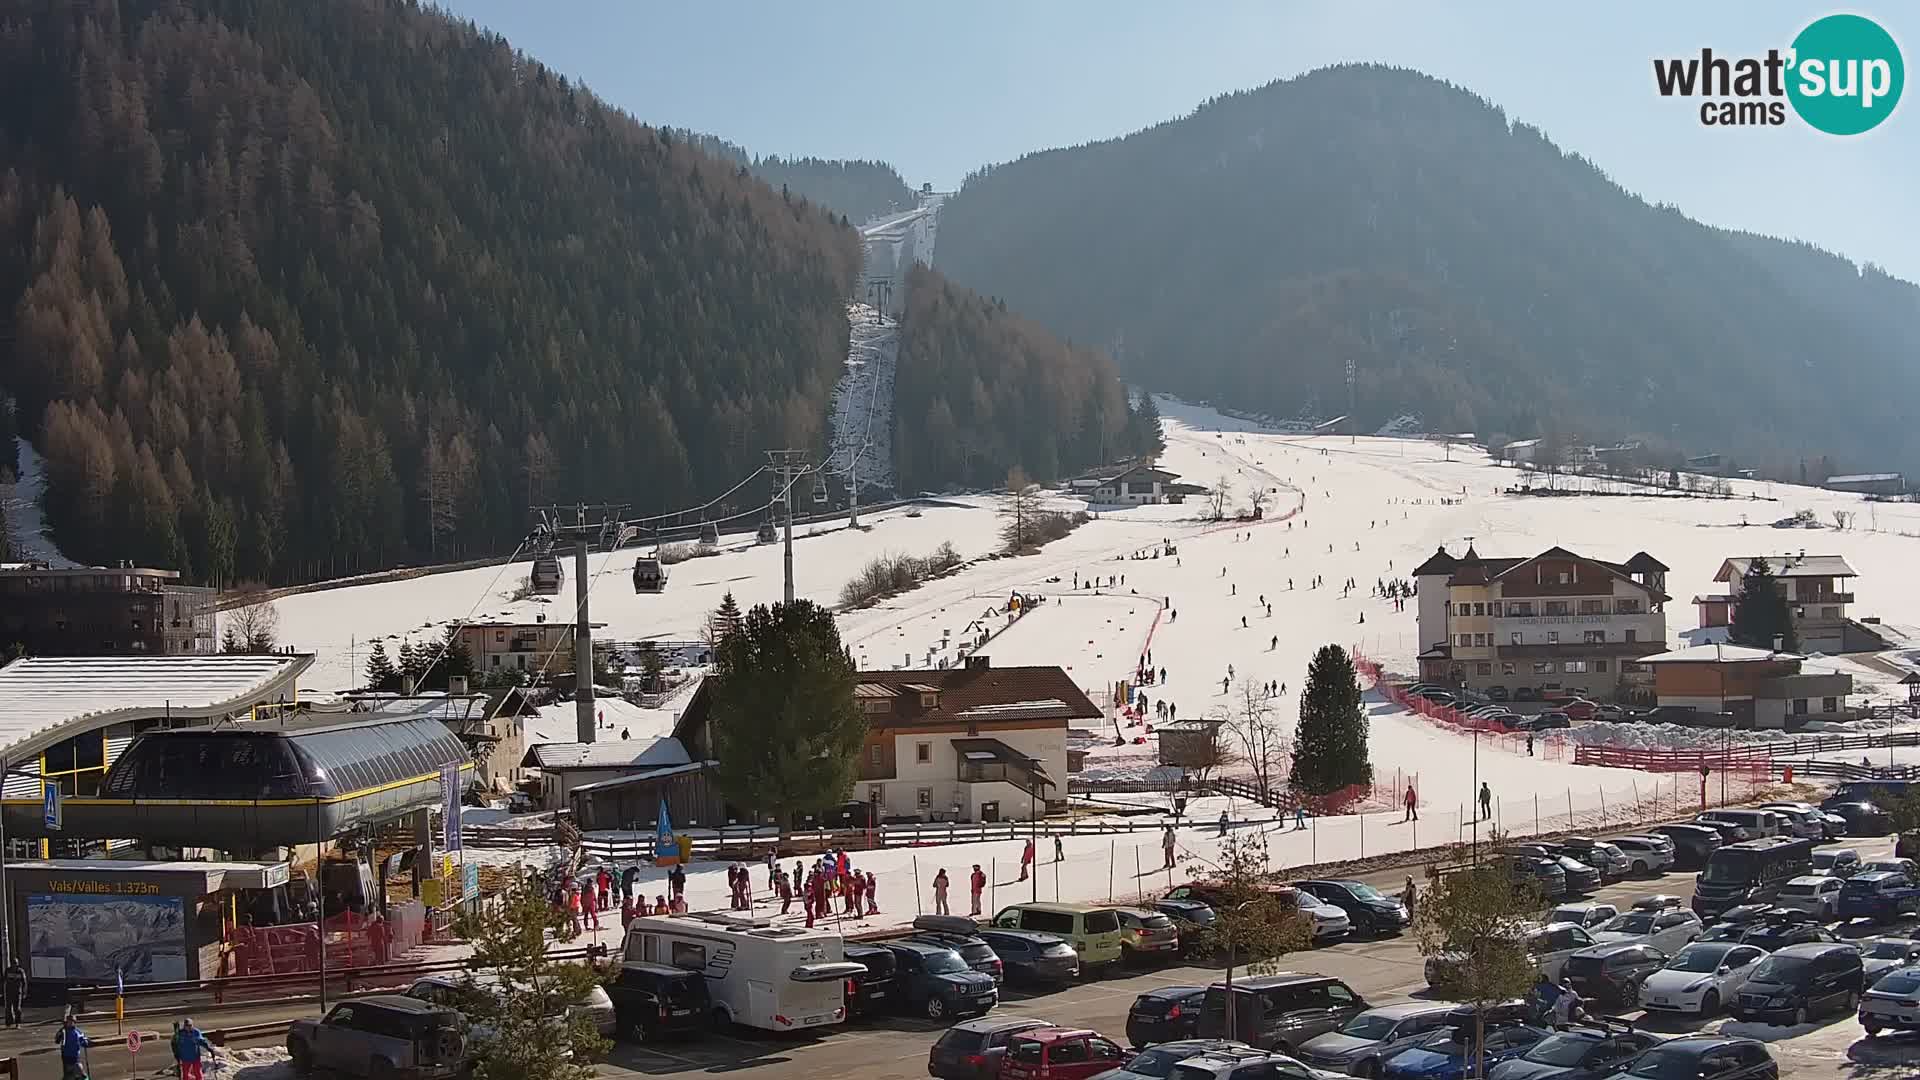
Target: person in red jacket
[[979, 884], [873, 905], [854, 886], [1026, 858]]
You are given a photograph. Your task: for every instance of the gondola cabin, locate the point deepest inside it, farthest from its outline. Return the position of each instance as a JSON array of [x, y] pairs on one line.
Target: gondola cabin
[[547, 575], [819, 493], [649, 575], [709, 534], [766, 535]]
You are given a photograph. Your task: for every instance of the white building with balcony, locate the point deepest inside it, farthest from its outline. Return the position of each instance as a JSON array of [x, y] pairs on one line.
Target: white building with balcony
[[1556, 621]]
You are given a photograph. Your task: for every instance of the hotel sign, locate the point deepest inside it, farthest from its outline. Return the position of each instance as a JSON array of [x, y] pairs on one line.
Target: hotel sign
[[1556, 620]]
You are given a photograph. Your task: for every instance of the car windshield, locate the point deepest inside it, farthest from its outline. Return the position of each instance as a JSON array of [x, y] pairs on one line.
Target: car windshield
[[1560, 1050], [945, 962], [1369, 1026], [1692, 958], [1779, 969], [1633, 922], [1364, 892], [1157, 1063], [1823, 860], [1903, 983], [1574, 914], [1668, 1063], [1889, 950], [1798, 890]]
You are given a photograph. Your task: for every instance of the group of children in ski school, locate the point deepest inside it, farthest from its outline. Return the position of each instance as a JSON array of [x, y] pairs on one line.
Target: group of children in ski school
[[832, 875], [188, 1044]]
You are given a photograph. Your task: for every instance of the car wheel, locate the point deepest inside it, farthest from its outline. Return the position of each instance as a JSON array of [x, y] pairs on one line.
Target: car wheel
[[1639, 868], [302, 1057], [1366, 1070], [936, 1008], [1800, 1016], [1710, 1004], [1872, 1029], [1853, 1002]]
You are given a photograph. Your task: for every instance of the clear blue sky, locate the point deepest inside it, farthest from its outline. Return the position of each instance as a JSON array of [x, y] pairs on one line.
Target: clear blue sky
[[941, 89]]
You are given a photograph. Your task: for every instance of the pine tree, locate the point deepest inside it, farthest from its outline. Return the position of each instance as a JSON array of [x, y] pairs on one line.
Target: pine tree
[[725, 620], [410, 661], [381, 674], [785, 728], [651, 663], [1761, 612], [1330, 741]]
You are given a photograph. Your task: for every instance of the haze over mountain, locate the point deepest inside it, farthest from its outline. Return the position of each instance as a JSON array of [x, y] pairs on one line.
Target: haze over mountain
[[859, 189], [1470, 270]]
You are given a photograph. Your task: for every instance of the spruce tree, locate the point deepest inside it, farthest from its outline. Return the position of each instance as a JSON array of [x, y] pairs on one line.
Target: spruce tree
[[785, 730], [651, 663], [381, 674], [725, 620], [1761, 613], [1330, 741]]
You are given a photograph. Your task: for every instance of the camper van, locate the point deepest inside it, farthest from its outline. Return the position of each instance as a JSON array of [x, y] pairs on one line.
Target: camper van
[[778, 978]]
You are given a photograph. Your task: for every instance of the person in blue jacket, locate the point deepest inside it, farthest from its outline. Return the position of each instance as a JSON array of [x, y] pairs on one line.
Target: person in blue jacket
[[72, 1043], [187, 1044]]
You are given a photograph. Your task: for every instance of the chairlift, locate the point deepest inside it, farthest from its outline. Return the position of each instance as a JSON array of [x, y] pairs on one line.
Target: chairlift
[[649, 575], [820, 493], [765, 534], [709, 534], [547, 575]]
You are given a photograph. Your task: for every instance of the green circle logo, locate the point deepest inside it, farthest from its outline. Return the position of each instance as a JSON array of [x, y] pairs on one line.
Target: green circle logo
[[1846, 75]]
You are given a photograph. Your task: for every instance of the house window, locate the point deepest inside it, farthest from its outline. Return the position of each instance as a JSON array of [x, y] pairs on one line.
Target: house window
[[873, 755], [1506, 667], [1594, 637], [1632, 636], [1463, 640], [1480, 641], [1799, 706], [1553, 637], [923, 752], [496, 660], [1521, 609], [1556, 607], [499, 636], [923, 798], [1627, 605], [1479, 609], [1629, 667], [1483, 668], [1829, 612], [1513, 638], [1574, 667], [1600, 667], [1593, 607], [1829, 705], [929, 701], [1543, 667]]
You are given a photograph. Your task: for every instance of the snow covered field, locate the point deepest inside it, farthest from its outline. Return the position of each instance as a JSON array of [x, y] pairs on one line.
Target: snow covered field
[[1369, 509]]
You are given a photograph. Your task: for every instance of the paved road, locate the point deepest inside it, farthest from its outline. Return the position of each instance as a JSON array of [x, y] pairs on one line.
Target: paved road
[[896, 1048]]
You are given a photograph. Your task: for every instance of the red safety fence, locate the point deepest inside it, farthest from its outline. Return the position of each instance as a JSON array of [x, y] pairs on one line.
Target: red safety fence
[[1739, 759], [1506, 738], [353, 940]]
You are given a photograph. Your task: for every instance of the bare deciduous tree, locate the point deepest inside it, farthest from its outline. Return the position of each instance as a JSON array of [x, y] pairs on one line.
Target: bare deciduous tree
[[1217, 499], [254, 628], [1205, 750], [1258, 495], [1254, 724], [1019, 505]]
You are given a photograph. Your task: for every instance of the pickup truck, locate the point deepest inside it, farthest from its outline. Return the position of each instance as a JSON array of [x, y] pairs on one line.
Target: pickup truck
[[1878, 895]]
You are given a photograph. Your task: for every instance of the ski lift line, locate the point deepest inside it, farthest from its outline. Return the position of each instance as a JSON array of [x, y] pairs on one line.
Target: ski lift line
[[592, 580], [468, 617], [709, 504]]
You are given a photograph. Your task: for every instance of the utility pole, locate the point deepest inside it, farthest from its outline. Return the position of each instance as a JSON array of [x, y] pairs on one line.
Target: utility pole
[[789, 466], [584, 728], [1352, 420]]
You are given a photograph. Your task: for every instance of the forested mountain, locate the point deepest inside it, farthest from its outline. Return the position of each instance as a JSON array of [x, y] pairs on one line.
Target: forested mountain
[[1470, 271], [980, 390], [290, 289], [859, 189]]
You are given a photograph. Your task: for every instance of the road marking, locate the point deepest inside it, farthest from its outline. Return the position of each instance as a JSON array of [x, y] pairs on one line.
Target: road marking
[[689, 1062]]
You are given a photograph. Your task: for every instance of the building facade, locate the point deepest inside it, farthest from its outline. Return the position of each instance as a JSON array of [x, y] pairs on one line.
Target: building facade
[[1889, 483], [1553, 621], [1753, 687], [535, 647], [1137, 485], [104, 611], [1817, 590]]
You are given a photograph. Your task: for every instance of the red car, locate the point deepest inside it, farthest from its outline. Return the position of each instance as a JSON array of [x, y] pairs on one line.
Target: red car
[[1059, 1054], [1578, 708]]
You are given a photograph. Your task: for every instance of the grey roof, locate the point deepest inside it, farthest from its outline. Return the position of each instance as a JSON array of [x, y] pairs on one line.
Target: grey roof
[[625, 754], [44, 699], [1716, 653], [641, 777], [1788, 566], [1863, 478]]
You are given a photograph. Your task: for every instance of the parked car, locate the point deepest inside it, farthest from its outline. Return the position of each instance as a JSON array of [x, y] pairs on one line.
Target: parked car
[[1279, 1012], [935, 982], [1246, 1063], [1546, 875], [1611, 973], [1799, 821], [1667, 931], [1881, 955], [1583, 913], [1186, 914], [1700, 978], [1879, 895], [1836, 862], [1146, 936], [1526, 693], [1059, 1054], [1747, 824], [1370, 1062], [1360, 1037], [1817, 896], [1093, 930], [653, 1001], [872, 993], [1549, 721], [1802, 981], [1893, 1001], [1448, 1060], [1772, 932], [1734, 923], [1330, 923], [1497, 693], [1029, 956], [1579, 708], [1549, 945], [1646, 854], [1610, 861], [1704, 1057], [1165, 1014], [1585, 1052], [1659, 902], [1157, 1062], [1863, 818], [932, 929], [1370, 911], [595, 1005], [1897, 865], [972, 1049], [1691, 843], [384, 1035]]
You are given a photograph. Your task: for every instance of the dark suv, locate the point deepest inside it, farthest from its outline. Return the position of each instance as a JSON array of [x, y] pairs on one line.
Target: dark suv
[[972, 1049], [384, 1035], [935, 982], [1801, 981], [1165, 1014], [873, 992], [1612, 974], [1704, 1057], [1279, 1012], [971, 947], [652, 1000], [1371, 911]]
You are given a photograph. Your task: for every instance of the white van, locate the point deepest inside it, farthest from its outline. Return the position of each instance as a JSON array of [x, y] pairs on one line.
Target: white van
[[1747, 824], [774, 977]]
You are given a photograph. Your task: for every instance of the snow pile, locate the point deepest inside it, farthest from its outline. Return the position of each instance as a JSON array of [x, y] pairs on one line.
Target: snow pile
[[1680, 737], [256, 1063]]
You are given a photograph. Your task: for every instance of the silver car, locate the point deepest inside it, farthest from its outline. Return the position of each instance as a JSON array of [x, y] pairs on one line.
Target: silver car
[[1645, 854]]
